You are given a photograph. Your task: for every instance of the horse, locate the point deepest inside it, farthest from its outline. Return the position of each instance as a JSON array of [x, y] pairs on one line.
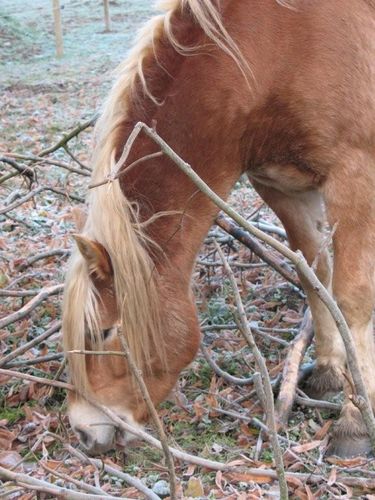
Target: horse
[[281, 90]]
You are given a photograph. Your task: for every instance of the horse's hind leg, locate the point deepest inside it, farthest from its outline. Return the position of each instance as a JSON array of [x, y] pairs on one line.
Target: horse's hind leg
[[303, 216], [350, 201]]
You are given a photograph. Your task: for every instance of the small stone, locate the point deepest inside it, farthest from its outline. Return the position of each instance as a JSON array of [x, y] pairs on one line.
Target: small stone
[[161, 488]]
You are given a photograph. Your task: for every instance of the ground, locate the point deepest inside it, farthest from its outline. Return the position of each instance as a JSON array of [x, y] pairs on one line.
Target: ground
[[42, 99]]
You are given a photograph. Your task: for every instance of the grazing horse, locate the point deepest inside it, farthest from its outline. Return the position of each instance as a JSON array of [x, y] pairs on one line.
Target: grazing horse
[[282, 90]]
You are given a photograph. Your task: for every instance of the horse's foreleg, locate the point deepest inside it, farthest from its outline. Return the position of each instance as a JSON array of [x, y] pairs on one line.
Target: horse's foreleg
[[350, 201], [303, 217]]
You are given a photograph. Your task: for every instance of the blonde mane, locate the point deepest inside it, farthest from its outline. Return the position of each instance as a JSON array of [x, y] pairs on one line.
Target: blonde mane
[[112, 220]]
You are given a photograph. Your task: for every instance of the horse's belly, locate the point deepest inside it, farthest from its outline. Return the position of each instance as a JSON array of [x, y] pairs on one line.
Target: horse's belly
[[288, 178]]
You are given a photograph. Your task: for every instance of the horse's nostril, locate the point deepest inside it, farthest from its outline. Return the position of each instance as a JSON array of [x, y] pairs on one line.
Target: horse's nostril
[[85, 437]]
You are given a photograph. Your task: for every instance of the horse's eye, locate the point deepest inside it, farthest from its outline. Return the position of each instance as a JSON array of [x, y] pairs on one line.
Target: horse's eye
[[107, 333]]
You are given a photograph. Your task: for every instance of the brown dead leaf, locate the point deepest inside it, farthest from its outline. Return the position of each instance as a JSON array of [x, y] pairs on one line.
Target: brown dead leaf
[[248, 477], [6, 439], [194, 488], [303, 448], [323, 431], [347, 462]]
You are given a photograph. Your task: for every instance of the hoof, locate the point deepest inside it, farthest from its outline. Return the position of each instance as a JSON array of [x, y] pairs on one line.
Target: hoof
[[324, 381], [349, 437], [349, 447]]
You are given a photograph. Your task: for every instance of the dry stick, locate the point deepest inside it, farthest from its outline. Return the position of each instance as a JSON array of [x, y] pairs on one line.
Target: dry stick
[[132, 481], [67, 137], [61, 164], [23, 348], [18, 293], [44, 486], [186, 457], [153, 413], [97, 353], [33, 193], [38, 380], [303, 270], [21, 169], [317, 403], [76, 482], [293, 360], [120, 173], [32, 304], [268, 393], [229, 227], [35, 361], [44, 255], [223, 374]]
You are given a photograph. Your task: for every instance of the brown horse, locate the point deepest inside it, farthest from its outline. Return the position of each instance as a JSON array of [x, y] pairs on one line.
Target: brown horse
[[282, 90]]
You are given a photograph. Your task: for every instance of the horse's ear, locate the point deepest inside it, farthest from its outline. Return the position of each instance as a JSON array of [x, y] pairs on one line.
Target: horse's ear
[[96, 256]]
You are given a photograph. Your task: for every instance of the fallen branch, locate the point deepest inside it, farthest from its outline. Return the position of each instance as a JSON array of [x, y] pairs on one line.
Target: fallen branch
[[359, 482], [25, 347], [35, 361], [132, 481], [43, 486], [56, 163], [261, 364], [292, 363], [137, 374], [223, 374], [67, 137], [21, 169], [76, 482], [228, 226], [44, 255], [34, 192], [31, 305], [38, 380]]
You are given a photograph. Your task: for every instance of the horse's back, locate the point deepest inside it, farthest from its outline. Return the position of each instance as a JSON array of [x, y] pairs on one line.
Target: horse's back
[[314, 80]]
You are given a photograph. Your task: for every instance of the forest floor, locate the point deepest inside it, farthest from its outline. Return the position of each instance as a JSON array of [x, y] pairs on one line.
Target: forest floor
[[42, 99]]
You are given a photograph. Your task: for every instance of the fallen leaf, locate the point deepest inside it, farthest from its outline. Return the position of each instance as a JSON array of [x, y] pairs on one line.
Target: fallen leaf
[[194, 488]]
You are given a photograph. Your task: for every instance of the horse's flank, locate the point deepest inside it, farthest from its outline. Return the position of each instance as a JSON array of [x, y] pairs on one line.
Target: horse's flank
[[112, 220]]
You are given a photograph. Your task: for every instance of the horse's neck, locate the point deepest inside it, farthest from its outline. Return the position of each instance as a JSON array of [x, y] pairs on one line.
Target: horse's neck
[[159, 186]]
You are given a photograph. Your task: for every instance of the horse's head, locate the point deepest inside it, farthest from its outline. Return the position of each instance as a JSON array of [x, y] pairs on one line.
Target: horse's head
[[94, 315]]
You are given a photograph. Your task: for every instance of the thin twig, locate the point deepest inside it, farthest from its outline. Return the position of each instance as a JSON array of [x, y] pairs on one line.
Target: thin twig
[[25, 347], [56, 163], [228, 226], [31, 305], [269, 409], [223, 374], [132, 481], [67, 137], [153, 413], [125, 170], [44, 486], [29, 261], [83, 486], [35, 192]]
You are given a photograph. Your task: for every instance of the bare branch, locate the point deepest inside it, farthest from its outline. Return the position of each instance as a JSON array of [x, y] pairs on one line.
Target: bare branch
[[23, 348], [268, 393], [31, 305], [153, 413], [295, 355], [242, 236]]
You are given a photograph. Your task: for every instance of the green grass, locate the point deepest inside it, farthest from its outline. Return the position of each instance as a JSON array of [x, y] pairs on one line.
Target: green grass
[[11, 414]]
